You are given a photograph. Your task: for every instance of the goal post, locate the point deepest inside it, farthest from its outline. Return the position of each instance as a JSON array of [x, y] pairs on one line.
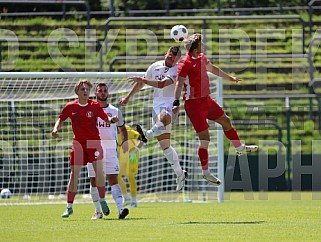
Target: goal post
[[35, 167]]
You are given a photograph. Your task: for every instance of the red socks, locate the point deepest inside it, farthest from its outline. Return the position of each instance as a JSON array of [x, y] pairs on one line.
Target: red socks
[[71, 197], [233, 137], [203, 155]]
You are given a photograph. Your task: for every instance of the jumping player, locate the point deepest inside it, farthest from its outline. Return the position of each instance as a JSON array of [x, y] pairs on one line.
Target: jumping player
[[199, 106], [161, 75]]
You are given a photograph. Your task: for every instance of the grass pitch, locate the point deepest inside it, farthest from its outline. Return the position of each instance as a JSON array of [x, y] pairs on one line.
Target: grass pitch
[[239, 218]]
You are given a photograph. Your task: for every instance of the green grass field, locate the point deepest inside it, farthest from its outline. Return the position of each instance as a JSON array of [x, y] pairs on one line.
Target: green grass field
[[278, 218]]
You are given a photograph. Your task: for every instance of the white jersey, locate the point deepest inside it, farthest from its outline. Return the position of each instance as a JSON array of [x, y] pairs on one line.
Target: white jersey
[[108, 136], [159, 71], [108, 132]]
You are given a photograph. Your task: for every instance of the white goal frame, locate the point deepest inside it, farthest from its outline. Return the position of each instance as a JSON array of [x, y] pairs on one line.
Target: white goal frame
[[19, 88]]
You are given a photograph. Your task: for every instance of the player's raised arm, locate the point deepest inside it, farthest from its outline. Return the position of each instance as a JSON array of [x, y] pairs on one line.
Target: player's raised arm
[[219, 72], [153, 83], [136, 88]]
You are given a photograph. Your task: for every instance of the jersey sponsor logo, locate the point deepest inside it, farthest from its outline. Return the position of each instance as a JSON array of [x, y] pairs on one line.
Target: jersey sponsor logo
[[194, 65], [159, 77], [103, 125], [89, 114]]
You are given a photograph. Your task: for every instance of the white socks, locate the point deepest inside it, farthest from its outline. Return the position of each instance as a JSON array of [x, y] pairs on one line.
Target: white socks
[[95, 197], [240, 148], [206, 172], [118, 196], [172, 158]]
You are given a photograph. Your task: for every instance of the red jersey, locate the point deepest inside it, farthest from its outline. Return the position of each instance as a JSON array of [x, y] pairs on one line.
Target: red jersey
[[83, 119], [198, 84]]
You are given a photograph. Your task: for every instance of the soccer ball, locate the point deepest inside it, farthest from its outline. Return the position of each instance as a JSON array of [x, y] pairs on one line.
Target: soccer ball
[[5, 193], [179, 33]]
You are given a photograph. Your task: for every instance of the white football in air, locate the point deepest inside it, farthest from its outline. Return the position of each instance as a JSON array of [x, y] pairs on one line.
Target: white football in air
[[179, 33]]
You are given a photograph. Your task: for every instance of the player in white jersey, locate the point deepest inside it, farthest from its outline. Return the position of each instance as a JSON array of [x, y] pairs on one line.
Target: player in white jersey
[[108, 135], [161, 75]]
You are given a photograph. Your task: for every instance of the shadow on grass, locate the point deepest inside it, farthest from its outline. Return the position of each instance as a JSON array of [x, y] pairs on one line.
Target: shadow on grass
[[239, 222], [127, 218]]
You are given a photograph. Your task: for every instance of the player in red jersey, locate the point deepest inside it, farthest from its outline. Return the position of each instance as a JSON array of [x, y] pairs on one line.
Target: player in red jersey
[[86, 144], [199, 106]]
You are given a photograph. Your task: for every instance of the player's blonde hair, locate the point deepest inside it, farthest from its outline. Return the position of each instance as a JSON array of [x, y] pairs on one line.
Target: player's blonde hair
[[82, 82], [193, 42]]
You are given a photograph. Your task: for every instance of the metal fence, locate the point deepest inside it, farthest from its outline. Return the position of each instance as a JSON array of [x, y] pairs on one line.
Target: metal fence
[[61, 3]]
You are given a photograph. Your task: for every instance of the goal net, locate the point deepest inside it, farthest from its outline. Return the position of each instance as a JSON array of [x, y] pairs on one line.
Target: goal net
[[35, 167]]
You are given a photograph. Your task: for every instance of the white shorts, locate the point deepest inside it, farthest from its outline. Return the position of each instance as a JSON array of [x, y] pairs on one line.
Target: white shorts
[[110, 167], [163, 108], [110, 163]]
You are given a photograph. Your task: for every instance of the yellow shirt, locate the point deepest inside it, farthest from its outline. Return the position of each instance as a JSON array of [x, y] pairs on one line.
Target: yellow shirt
[[133, 137]]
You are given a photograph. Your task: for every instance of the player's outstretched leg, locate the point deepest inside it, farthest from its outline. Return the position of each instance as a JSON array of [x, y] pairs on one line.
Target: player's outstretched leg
[[141, 132], [123, 213], [247, 149], [180, 181], [67, 212]]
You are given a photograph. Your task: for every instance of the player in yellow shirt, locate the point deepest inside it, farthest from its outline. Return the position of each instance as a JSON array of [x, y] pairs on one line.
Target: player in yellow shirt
[[129, 165]]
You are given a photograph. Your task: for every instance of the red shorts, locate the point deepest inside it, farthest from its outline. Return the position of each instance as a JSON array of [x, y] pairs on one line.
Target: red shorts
[[200, 109], [81, 155]]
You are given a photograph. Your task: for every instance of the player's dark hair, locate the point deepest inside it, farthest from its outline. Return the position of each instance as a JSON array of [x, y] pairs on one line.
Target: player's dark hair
[[176, 50], [193, 42], [81, 82], [101, 84]]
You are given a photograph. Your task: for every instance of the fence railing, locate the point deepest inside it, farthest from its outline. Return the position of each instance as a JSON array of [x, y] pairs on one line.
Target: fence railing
[[279, 8], [63, 12], [311, 8], [53, 40], [205, 19], [116, 59], [112, 12]]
